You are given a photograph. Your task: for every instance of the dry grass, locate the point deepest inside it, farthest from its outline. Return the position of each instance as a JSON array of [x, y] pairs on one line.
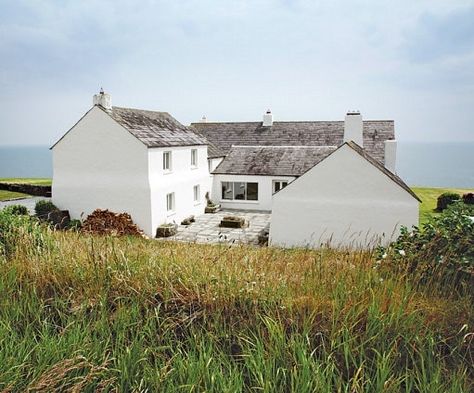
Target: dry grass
[[134, 314]]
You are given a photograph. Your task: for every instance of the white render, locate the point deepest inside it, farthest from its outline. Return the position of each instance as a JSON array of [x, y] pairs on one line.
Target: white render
[[99, 165], [391, 155], [265, 191], [180, 181], [343, 201], [353, 128]]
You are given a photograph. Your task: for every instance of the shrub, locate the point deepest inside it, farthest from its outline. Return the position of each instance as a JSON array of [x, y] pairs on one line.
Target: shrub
[[44, 207], [446, 199], [18, 210], [440, 251], [468, 198], [74, 225], [19, 231]]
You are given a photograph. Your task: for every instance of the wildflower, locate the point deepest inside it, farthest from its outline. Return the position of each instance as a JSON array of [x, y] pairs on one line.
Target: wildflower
[[402, 253], [384, 255]]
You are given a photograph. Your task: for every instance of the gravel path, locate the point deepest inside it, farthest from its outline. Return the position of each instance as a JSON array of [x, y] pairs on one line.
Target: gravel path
[[28, 202]]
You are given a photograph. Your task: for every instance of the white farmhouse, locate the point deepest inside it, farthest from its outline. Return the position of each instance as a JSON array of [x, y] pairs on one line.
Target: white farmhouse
[[324, 181], [141, 162]]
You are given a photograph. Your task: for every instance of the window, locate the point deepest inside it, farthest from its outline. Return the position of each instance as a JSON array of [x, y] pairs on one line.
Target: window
[[167, 161], [170, 202], [239, 191], [194, 157], [197, 194], [279, 185]]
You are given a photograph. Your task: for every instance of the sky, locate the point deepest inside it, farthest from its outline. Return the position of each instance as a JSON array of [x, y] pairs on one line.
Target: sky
[[408, 60]]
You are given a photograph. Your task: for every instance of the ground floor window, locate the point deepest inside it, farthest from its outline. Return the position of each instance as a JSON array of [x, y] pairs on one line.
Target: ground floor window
[[239, 191], [197, 194], [279, 185], [170, 202]]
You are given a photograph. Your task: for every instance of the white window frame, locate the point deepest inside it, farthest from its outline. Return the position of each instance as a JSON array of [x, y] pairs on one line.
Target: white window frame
[[170, 203], [245, 199], [197, 194], [169, 167], [275, 182], [194, 158]]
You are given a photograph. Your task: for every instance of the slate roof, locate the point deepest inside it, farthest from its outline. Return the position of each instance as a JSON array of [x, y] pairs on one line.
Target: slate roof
[[272, 160], [155, 129], [382, 168], [293, 133]]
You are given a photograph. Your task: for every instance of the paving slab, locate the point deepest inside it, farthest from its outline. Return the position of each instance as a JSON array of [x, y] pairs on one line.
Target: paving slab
[[206, 228]]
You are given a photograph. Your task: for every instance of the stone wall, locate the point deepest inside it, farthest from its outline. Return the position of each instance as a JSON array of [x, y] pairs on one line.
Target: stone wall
[[29, 189]]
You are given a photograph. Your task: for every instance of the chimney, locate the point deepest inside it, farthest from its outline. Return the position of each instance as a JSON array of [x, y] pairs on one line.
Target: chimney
[[391, 155], [203, 119], [268, 118], [103, 99], [353, 128]]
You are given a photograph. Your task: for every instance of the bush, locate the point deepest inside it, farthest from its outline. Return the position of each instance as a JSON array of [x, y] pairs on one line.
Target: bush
[[446, 199], [74, 225], [442, 250], [44, 207], [468, 198], [18, 210]]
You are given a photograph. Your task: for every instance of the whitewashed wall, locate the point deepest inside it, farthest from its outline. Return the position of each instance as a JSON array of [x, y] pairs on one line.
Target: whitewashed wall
[[213, 162], [265, 191], [180, 180], [344, 201], [99, 164]]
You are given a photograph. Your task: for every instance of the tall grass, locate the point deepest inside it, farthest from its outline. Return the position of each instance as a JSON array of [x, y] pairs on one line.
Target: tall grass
[[84, 313]]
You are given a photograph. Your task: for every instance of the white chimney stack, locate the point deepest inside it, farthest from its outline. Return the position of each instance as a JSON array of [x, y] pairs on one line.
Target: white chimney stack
[[391, 155], [103, 99], [203, 119], [268, 118], [353, 128]]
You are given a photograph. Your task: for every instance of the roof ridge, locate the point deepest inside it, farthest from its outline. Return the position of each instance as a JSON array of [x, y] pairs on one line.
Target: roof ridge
[[286, 146], [138, 109], [289, 121]]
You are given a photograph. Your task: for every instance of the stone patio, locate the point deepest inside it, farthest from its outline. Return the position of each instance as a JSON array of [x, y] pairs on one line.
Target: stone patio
[[206, 228]]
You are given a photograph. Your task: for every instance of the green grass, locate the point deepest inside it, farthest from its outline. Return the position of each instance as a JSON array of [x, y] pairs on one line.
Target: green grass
[[429, 197], [35, 181], [6, 195], [81, 313]]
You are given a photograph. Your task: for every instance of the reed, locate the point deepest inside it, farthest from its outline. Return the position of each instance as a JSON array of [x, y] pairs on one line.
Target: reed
[[84, 313]]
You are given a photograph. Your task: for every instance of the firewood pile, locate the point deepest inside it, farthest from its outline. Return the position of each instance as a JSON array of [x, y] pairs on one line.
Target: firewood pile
[[105, 222]]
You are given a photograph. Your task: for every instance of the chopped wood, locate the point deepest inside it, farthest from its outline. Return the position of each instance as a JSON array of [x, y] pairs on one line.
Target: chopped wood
[[105, 222]]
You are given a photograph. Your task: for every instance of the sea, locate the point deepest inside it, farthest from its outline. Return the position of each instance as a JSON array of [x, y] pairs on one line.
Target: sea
[[447, 164]]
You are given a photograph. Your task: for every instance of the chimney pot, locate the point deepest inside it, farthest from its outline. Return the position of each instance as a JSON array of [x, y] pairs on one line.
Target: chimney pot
[[353, 128], [267, 118], [103, 99]]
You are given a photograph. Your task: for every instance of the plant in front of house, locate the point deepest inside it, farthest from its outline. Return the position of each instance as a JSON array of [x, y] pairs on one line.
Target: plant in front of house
[[18, 210], [446, 199], [166, 230], [43, 208], [233, 222], [441, 251], [468, 198], [211, 207]]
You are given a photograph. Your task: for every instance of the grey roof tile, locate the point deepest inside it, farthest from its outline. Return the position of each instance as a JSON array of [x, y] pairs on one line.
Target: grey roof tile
[[155, 129], [272, 160], [293, 133]]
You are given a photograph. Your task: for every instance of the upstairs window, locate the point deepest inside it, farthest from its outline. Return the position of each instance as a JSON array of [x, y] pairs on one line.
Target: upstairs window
[[239, 191], [194, 158], [279, 185], [167, 161], [170, 202]]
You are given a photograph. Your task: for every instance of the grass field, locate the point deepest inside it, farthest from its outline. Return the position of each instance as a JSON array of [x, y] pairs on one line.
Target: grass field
[[429, 197], [80, 313], [6, 195], [35, 181]]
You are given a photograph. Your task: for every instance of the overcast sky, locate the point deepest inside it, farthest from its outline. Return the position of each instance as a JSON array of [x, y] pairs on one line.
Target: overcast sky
[[407, 60]]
